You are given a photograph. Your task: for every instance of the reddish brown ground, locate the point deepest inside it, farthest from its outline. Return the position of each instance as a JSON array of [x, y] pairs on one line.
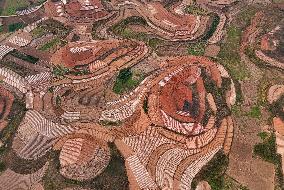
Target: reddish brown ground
[[6, 101]]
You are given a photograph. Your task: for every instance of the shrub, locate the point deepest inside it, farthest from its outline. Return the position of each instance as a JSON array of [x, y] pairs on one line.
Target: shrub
[[15, 26]]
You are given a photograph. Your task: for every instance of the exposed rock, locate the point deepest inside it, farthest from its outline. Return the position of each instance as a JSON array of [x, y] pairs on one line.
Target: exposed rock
[[203, 185], [274, 93], [278, 125]]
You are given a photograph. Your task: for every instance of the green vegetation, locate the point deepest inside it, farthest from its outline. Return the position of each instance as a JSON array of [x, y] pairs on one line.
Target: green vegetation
[[38, 32], [125, 81], [213, 172], [110, 123], [60, 71], [115, 173], [262, 91], [267, 151], [195, 10], [145, 105], [18, 68], [12, 6], [229, 54], [213, 27], [263, 135], [197, 48], [24, 57], [255, 112], [58, 100], [154, 43], [2, 166], [50, 45], [122, 30], [230, 184], [55, 27], [245, 15], [125, 32], [16, 26], [15, 117]]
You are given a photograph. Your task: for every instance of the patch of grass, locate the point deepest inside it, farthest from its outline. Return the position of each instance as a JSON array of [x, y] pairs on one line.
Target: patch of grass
[[268, 152], [125, 81], [55, 27], [255, 112], [195, 10], [229, 54], [25, 57], [245, 15], [122, 30], [50, 45], [16, 26], [38, 32], [59, 71], [154, 43], [214, 171], [263, 135], [12, 6], [197, 49]]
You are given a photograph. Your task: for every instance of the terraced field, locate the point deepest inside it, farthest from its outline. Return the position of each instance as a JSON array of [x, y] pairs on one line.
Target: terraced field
[[141, 95]]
